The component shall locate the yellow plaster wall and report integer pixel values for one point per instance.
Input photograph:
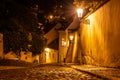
(49, 57)
(74, 55)
(26, 56)
(63, 49)
(101, 38)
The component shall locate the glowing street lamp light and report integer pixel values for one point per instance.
(71, 37)
(51, 16)
(79, 12)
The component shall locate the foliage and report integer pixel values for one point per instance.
(14, 41)
(18, 18)
(16, 22)
(38, 44)
(91, 5)
(61, 10)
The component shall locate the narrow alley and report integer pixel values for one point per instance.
(59, 39)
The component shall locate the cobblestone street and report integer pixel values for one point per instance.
(45, 73)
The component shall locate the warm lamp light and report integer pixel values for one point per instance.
(71, 37)
(79, 12)
(51, 16)
(63, 42)
(47, 49)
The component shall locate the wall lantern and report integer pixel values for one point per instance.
(71, 37)
(79, 12)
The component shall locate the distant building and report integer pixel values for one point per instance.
(26, 56)
(49, 56)
(11, 55)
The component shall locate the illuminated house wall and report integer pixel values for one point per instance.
(75, 53)
(72, 54)
(101, 38)
(52, 56)
(68, 47)
(63, 38)
(26, 56)
(49, 56)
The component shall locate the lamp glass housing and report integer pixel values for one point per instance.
(79, 12)
(71, 37)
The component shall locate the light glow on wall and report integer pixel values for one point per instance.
(47, 52)
(63, 42)
(93, 37)
(47, 55)
(71, 37)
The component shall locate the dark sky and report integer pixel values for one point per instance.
(12, 8)
(48, 5)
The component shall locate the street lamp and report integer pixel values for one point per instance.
(79, 12)
(71, 37)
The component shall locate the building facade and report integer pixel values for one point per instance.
(100, 38)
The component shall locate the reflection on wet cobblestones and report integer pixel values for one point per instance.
(57, 73)
(45, 73)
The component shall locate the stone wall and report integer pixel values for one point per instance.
(101, 38)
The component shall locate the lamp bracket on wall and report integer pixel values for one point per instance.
(87, 21)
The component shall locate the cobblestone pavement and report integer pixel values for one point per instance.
(45, 73)
(108, 73)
